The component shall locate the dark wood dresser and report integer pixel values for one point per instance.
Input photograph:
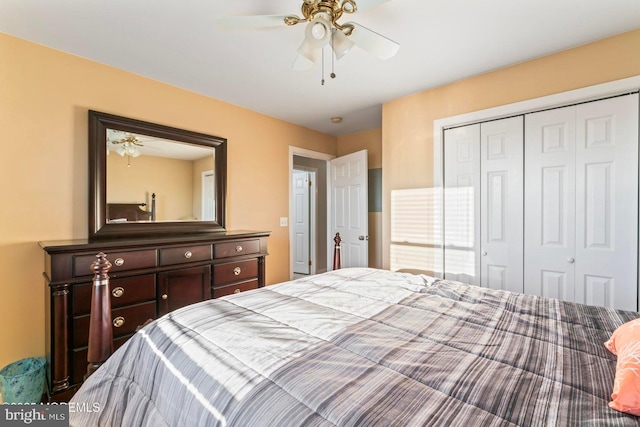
(149, 278)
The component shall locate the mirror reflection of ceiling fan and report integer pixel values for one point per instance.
(123, 143)
(134, 144)
(323, 29)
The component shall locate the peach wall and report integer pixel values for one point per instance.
(371, 140)
(44, 98)
(407, 123)
(128, 182)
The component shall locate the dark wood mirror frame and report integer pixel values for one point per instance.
(99, 228)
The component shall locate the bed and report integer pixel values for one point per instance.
(364, 347)
(125, 212)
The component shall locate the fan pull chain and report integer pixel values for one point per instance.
(333, 58)
(322, 54)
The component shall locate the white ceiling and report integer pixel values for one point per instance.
(441, 41)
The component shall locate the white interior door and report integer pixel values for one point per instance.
(208, 196)
(501, 201)
(550, 203)
(462, 204)
(607, 203)
(349, 208)
(301, 222)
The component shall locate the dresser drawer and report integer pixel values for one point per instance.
(185, 254)
(120, 261)
(124, 291)
(241, 247)
(128, 318)
(223, 274)
(236, 288)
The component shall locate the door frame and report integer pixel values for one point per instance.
(303, 152)
(585, 94)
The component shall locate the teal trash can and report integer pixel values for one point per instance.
(23, 381)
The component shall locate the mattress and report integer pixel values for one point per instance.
(363, 347)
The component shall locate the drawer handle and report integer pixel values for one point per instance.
(188, 254)
(238, 248)
(237, 271)
(119, 261)
(237, 291)
(117, 292)
(118, 321)
(165, 296)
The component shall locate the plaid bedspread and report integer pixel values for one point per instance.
(363, 347)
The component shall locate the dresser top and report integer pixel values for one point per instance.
(57, 246)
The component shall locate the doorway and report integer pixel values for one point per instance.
(301, 159)
(347, 214)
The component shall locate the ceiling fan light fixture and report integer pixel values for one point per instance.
(133, 152)
(318, 32)
(127, 149)
(341, 44)
(309, 51)
(324, 27)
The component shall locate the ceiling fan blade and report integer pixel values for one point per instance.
(369, 4)
(374, 43)
(255, 21)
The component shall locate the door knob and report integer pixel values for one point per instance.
(363, 237)
(570, 260)
(484, 253)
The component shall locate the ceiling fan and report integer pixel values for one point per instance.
(323, 29)
(127, 144)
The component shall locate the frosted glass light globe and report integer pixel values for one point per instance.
(318, 31)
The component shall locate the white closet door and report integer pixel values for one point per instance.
(501, 200)
(462, 204)
(549, 236)
(607, 203)
(581, 205)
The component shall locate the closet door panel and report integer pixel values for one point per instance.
(501, 200)
(549, 207)
(462, 204)
(606, 202)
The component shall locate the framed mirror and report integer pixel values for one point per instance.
(147, 179)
